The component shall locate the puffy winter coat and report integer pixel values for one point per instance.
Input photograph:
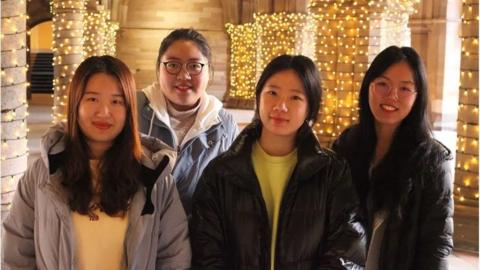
(39, 229)
(317, 226)
(416, 188)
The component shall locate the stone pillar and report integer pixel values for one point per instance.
(67, 47)
(466, 171)
(283, 33)
(350, 34)
(254, 45)
(341, 50)
(13, 102)
(435, 28)
(99, 32)
(242, 66)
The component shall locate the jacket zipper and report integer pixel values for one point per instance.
(288, 189)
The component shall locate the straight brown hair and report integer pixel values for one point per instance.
(120, 164)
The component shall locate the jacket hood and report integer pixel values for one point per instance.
(207, 115)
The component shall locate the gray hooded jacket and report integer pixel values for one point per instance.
(39, 230)
(211, 134)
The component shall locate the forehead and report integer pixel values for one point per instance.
(287, 80)
(401, 72)
(102, 83)
(183, 50)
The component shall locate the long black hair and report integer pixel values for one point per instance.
(387, 183)
(119, 166)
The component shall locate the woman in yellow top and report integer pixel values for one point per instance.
(276, 199)
(99, 197)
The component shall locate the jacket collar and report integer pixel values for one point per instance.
(311, 158)
(207, 115)
(156, 157)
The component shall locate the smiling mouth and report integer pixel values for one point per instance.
(278, 119)
(101, 125)
(183, 88)
(388, 108)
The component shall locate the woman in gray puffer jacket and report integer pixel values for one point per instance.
(100, 197)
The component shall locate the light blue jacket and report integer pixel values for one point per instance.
(194, 154)
(38, 232)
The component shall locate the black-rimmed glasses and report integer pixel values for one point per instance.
(174, 67)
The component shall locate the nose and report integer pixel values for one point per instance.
(103, 109)
(281, 106)
(183, 73)
(393, 93)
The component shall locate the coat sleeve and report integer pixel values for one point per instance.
(434, 241)
(18, 238)
(345, 238)
(231, 128)
(206, 230)
(174, 251)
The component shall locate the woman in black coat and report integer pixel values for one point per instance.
(276, 199)
(400, 172)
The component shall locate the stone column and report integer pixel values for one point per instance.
(350, 34)
(99, 32)
(254, 45)
(242, 66)
(435, 28)
(283, 33)
(341, 49)
(466, 172)
(67, 47)
(13, 102)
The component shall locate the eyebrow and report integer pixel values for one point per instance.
(178, 59)
(293, 89)
(90, 92)
(408, 81)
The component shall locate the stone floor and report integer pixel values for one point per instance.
(40, 119)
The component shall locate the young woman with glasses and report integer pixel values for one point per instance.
(100, 196)
(276, 199)
(400, 172)
(177, 109)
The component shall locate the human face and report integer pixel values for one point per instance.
(391, 96)
(283, 105)
(183, 90)
(102, 112)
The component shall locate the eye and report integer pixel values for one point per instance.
(406, 89)
(382, 86)
(298, 98)
(172, 65)
(91, 99)
(118, 101)
(194, 66)
(271, 92)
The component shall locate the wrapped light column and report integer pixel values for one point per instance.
(67, 49)
(388, 24)
(349, 35)
(466, 169)
(283, 33)
(99, 33)
(341, 49)
(242, 65)
(13, 103)
(253, 45)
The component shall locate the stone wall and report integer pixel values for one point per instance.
(144, 23)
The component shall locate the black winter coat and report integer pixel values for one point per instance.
(415, 187)
(317, 227)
